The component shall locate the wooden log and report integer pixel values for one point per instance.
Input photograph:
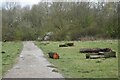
(63, 45)
(105, 50)
(70, 44)
(100, 55)
(95, 50)
(89, 50)
(96, 56)
(87, 56)
(93, 56)
(53, 55)
(110, 54)
(93, 53)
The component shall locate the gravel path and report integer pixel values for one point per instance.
(32, 64)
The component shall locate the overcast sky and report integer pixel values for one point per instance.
(22, 2)
(31, 2)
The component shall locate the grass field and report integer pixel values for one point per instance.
(73, 64)
(11, 51)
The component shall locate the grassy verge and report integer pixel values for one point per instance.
(10, 50)
(73, 64)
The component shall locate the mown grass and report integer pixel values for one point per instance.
(73, 64)
(11, 51)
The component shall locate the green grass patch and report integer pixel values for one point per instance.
(73, 64)
(10, 50)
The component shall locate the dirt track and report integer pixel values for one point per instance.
(32, 64)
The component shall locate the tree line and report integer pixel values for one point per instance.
(65, 20)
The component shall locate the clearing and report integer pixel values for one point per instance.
(73, 64)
